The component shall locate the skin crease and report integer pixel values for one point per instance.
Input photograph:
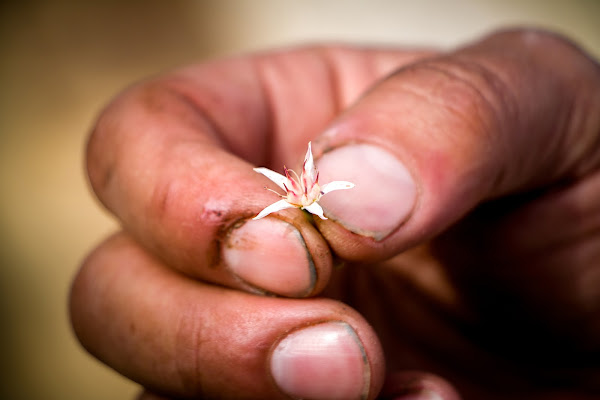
(497, 290)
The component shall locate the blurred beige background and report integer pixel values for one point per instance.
(61, 61)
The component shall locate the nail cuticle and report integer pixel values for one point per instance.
(311, 266)
(366, 366)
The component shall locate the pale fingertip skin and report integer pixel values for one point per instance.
(383, 196)
(273, 257)
(322, 361)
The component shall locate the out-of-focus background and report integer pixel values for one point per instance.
(61, 61)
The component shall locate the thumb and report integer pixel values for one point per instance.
(514, 112)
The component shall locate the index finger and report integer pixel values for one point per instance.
(172, 158)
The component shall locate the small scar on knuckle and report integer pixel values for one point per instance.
(214, 215)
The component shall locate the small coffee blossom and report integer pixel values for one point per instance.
(301, 191)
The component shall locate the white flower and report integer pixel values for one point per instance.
(301, 191)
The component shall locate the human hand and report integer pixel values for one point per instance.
(465, 165)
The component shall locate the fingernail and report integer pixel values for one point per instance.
(270, 255)
(384, 195)
(324, 361)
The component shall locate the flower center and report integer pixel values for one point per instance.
(300, 191)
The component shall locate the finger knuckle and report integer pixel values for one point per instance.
(472, 109)
(473, 94)
(188, 349)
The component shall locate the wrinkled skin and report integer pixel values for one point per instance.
(492, 282)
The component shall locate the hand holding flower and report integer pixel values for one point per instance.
(476, 260)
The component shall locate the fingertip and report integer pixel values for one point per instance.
(278, 255)
(384, 192)
(333, 359)
(384, 197)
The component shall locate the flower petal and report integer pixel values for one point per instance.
(336, 185)
(274, 176)
(277, 206)
(316, 209)
(309, 169)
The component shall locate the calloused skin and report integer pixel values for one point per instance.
(491, 286)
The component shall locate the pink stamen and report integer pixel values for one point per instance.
(278, 194)
(302, 191)
(290, 179)
(297, 178)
